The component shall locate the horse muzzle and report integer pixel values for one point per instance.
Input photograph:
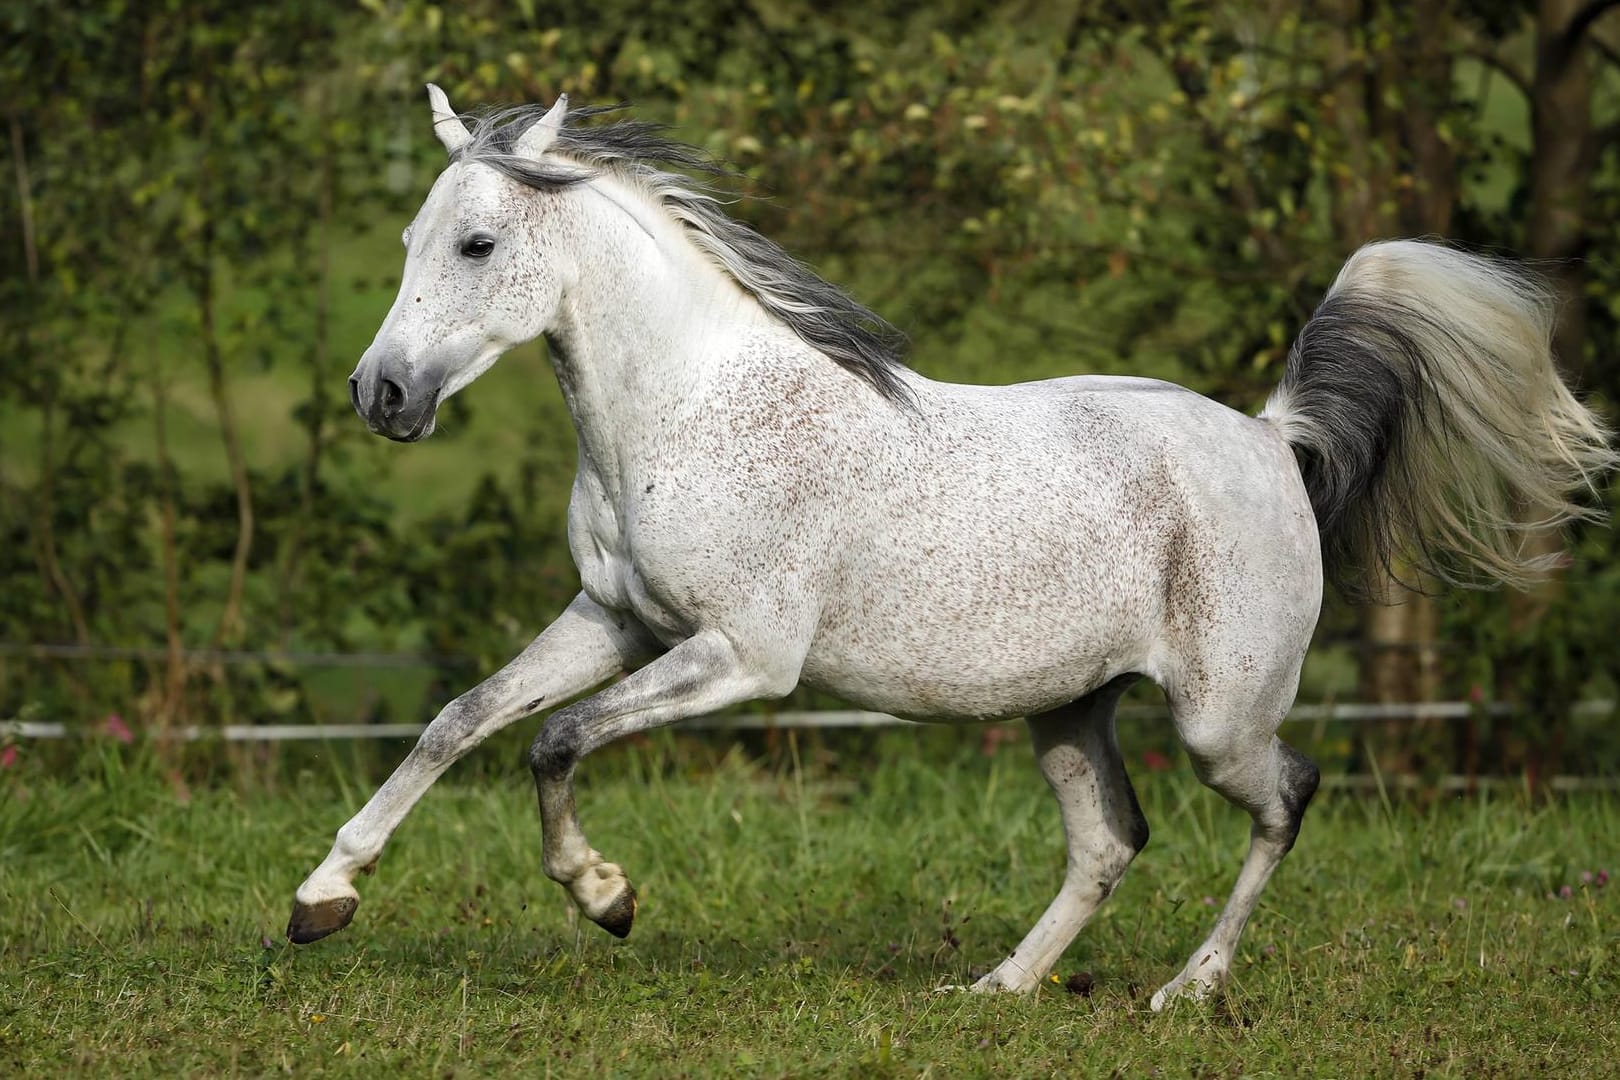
(392, 403)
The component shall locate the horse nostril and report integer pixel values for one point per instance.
(354, 394)
(393, 397)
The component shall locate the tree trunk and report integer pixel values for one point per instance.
(1562, 158)
(171, 704)
(1400, 177)
(230, 619)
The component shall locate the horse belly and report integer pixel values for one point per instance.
(1013, 637)
(969, 677)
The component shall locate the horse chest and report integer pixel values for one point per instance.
(597, 542)
(622, 575)
(612, 578)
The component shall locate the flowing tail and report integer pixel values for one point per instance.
(1430, 423)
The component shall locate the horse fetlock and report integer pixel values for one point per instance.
(567, 862)
(1202, 976)
(1008, 978)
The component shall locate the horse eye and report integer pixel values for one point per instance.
(478, 247)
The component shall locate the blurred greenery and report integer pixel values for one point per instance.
(201, 219)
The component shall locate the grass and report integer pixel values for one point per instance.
(792, 923)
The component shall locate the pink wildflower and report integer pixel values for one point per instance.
(993, 738)
(8, 757)
(114, 725)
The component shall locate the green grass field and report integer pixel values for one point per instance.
(791, 924)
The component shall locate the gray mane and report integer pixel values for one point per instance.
(822, 314)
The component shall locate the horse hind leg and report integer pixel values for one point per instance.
(1102, 823)
(1235, 751)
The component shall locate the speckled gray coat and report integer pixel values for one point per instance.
(766, 497)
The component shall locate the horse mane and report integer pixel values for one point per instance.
(822, 314)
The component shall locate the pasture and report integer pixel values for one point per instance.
(206, 203)
(794, 921)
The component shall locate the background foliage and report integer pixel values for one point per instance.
(201, 221)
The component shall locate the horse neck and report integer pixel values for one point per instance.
(645, 325)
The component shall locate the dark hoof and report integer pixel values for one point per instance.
(312, 922)
(616, 920)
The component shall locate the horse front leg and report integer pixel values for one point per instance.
(583, 647)
(701, 675)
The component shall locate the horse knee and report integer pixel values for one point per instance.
(555, 748)
(447, 737)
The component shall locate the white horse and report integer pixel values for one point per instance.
(767, 496)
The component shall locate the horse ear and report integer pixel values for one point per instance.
(446, 124)
(543, 132)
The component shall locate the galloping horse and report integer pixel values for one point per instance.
(766, 496)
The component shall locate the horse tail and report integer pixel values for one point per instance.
(1429, 421)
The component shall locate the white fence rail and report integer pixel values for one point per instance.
(825, 718)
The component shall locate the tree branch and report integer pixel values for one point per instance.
(1605, 50)
(1582, 22)
(25, 204)
(1501, 65)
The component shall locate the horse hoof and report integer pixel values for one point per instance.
(311, 922)
(620, 913)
